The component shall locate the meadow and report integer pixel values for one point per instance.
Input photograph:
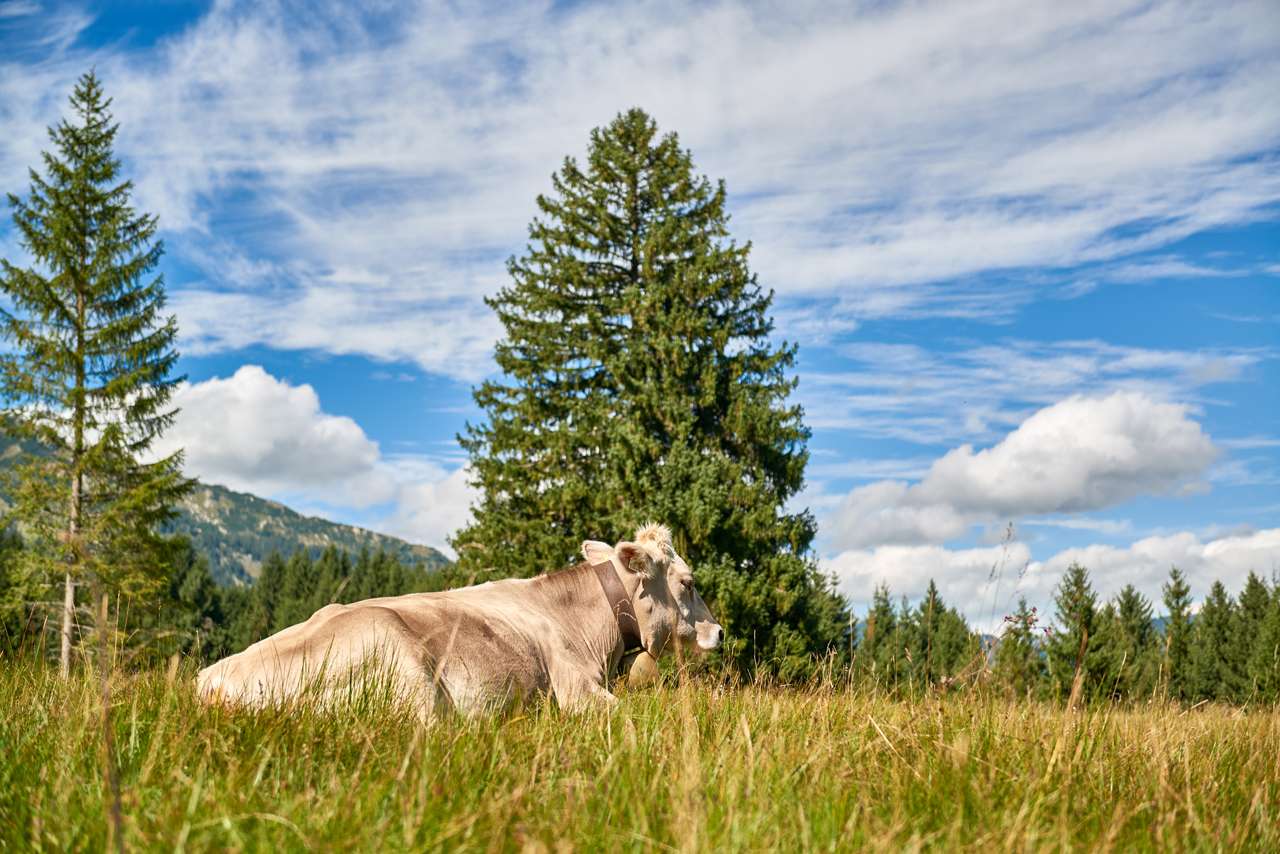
(691, 766)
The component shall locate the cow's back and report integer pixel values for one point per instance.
(472, 650)
(336, 643)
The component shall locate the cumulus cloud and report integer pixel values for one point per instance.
(395, 155)
(985, 583)
(1079, 454)
(256, 433)
(966, 578)
(1146, 562)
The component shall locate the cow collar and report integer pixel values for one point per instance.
(620, 605)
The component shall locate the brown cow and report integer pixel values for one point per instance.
(490, 646)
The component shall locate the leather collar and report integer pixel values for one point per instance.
(620, 605)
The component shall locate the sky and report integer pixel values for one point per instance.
(1030, 251)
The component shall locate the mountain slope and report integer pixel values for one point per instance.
(237, 531)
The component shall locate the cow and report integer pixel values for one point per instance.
(488, 647)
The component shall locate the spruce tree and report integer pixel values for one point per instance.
(939, 639)
(1019, 666)
(87, 372)
(1139, 661)
(1251, 617)
(640, 383)
(1214, 669)
(880, 653)
(1264, 662)
(1076, 616)
(1175, 665)
(928, 661)
(1105, 662)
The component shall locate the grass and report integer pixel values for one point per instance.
(686, 767)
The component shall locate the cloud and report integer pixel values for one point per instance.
(1077, 455)
(985, 583)
(967, 578)
(432, 507)
(886, 161)
(976, 392)
(18, 8)
(1146, 562)
(256, 433)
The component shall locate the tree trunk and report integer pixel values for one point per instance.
(73, 514)
(69, 591)
(68, 615)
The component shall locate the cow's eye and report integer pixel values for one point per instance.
(686, 583)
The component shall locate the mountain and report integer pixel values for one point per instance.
(237, 531)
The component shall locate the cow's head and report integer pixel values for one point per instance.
(665, 601)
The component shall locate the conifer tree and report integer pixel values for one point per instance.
(87, 373)
(1251, 617)
(1176, 660)
(879, 653)
(1019, 666)
(640, 383)
(927, 659)
(1137, 644)
(1068, 651)
(940, 640)
(1106, 661)
(1214, 669)
(1264, 662)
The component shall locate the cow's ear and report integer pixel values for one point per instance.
(635, 559)
(596, 552)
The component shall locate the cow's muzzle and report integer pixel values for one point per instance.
(709, 635)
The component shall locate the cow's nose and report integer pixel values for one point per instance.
(709, 638)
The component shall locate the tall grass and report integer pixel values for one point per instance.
(686, 767)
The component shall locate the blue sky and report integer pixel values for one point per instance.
(1030, 251)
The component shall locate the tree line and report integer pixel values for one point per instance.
(192, 615)
(1227, 650)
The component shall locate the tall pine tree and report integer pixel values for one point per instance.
(1247, 634)
(640, 383)
(1264, 662)
(1081, 648)
(1175, 666)
(1019, 666)
(1215, 673)
(88, 369)
(1138, 664)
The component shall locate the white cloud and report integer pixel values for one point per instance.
(891, 159)
(977, 392)
(1079, 454)
(985, 583)
(432, 507)
(978, 581)
(18, 8)
(256, 433)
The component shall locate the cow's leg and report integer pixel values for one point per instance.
(576, 690)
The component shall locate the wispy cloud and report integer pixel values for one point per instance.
(367, 174)
(18, 8)
(960, 391)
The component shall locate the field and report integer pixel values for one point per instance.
(684, 767)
